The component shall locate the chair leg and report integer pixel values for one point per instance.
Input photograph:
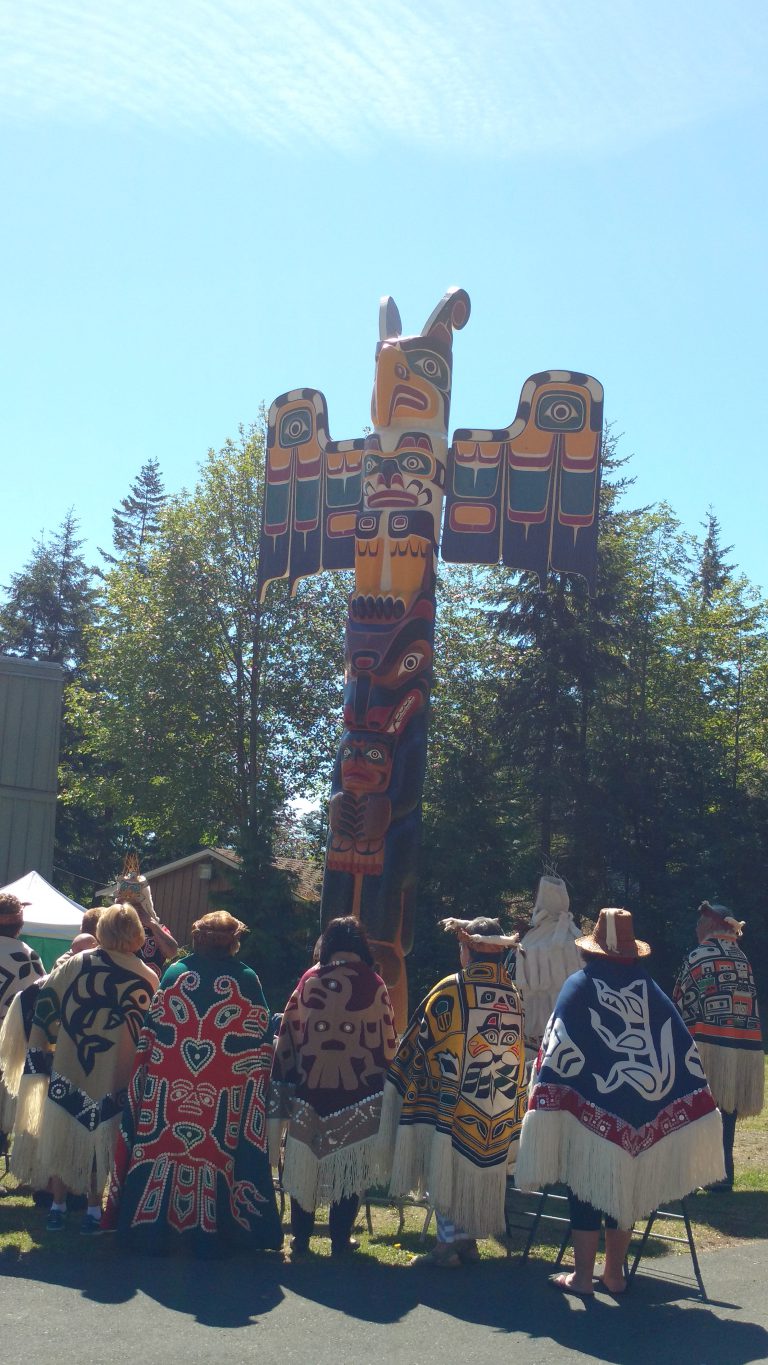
(692, 1249)
(533, 1229)
(641, 1248)
(563, 1247)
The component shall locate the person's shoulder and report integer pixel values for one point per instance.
(451, 979)
(25, 947)
(315, 970)
(16, 950)
(147, 973)
(66, 967)
(176, 969)
(574, 984)
(241, 972)
(700, 952)
(446, 983)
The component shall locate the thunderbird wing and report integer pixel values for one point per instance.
(528, 494)
(313, 492)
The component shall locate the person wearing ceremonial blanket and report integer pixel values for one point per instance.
(86, 1025)
(14, 1041)
(547, 956)
(454, 1095)
(191, 1164)
(132, 888)
(716, 995)
(619, 1107)
(336, 1040)
(19, 964)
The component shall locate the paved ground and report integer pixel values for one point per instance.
(115, 1308)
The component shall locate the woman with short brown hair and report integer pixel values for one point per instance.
(191, 1163)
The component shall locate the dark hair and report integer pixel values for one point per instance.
(11, 915)
(486, 928)
(345, 935)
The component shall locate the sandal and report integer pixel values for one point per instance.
(561, 1282)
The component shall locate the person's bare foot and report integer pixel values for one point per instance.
(567, 1283)
(612, 1286)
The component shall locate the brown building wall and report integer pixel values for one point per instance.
(182, 896)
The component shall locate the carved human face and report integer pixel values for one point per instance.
(366, 762)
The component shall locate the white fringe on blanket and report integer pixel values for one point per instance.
(391, 1109)
(33, 1092)
(424, 1161)
(13, 1048)
(7, 1109)
(48, 1141)
(555, 1147)
(325, 1180)
(736, 1077)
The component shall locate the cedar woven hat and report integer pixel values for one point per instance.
(614, 936)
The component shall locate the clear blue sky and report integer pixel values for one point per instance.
(203, 202)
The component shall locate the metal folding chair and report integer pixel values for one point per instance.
(688, 1240)
(377, 1201)
(534, 1216)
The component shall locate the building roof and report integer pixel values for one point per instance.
(226, 856)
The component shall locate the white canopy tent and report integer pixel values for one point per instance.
(51, 920)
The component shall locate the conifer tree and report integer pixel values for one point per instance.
(50, 602)
(714, 573)
(136, 520)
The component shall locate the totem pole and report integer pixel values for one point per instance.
(526, 494)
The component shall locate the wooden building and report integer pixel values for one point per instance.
(30, 721)
(184, 890)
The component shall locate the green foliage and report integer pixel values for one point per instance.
(50, 602)
(137, 519)
(623, 738)
(205, 699)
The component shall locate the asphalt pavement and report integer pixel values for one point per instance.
(113, 1308)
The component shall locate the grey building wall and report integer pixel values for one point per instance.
(30, 723)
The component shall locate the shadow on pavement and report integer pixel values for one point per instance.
(662, 1320)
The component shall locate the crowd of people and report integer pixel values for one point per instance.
(160, 1089)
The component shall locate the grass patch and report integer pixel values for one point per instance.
(719, 1219)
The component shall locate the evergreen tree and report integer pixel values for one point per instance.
(136, 521)
(213, 710)
(713, 571)
(50, 603)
